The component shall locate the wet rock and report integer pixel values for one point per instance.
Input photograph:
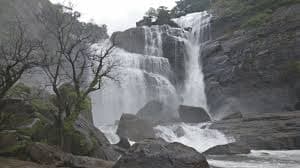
(48, 155)
(264, 131)
(250, 64)
(124, 143)
(190, 114)
(130, 126)
(179, 132)
(156, 112)
(93, 142)
(160, 154)
(229, 149)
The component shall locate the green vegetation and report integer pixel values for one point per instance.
(259, 19)
(160, 16)
(254, 13)
(184, 7)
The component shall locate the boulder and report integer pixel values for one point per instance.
(264, 131)
(156, 112)
(160, 154)
(190, 114)
(89, 141)
(229, 149)
(123, 143)
(48, 155)
(130, 126)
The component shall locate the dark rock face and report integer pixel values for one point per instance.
(95, 139)
(130, 126)
(48, 155)
(245, 68)
(229, 149)
(124, 143)
(159, 154)
(264, 131)
(135, 39)
(156, 112)
(190, 114)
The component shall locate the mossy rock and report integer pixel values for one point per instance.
(77, 143)
(13, 144)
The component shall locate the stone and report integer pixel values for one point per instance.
(130, 126)
(250, 64)
(160, 154)
(229, 149)
(264, 131)
(190, 114)
(48, 155)
(123, 143)
(156, 112)
(94, 139)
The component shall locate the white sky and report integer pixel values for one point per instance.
(118, 15)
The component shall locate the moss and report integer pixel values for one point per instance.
(258, 20)
(20, 90)
(76, 142)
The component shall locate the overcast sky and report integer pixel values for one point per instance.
(118, 15)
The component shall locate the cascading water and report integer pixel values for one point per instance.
(142, 78)
(194, 90)
(197, 136)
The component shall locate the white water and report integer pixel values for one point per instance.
(142, 78)
(194, 91)
(197, 136)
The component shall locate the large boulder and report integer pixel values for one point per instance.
(160, 154)
(48, 155)
(190, 114)
(90, 141)
(156, 112)
(229, 149)
(264, 131)
(130, 126)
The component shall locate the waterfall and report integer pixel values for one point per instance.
(146, 75)
(142, 78)
(194, 87)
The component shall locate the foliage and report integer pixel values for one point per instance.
(160, 16)
(184, 7)
(20, 90)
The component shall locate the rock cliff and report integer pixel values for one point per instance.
(248, 61)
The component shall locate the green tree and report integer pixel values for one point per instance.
(71, 60)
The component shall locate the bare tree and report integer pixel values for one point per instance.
(18, 53)
(74, 58)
